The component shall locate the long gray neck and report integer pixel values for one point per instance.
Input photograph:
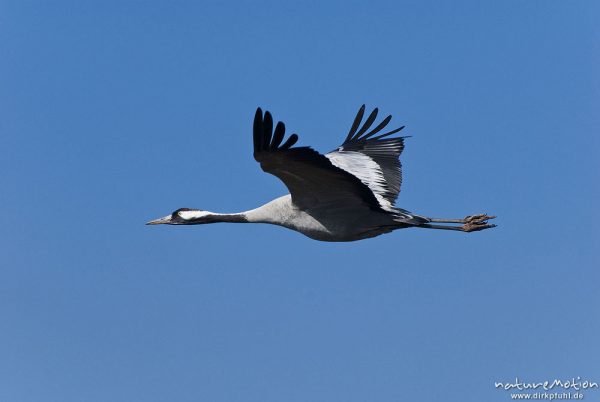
(273, 212)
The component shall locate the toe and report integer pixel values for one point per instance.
(481, 218)
(476, 226)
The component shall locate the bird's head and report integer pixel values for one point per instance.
(183, 216)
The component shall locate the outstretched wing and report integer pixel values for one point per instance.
(374, 159)
(312, 179)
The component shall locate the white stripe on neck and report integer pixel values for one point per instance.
(189, 215)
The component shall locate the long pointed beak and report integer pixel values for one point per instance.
(160, 221)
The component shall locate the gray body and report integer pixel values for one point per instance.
(323, 223)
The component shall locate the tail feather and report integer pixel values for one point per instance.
(404, 216)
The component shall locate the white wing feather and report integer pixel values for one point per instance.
(365, 169)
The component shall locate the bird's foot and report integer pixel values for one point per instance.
(474, 223)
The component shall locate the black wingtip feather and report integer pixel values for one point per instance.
(265, 139)
(278, 136)
(257, 130)
(290, 141)
(356, 122)
(367, 124)
(377, 129)
(267, 129)
(388, 133)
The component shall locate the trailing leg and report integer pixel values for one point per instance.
(471, 223)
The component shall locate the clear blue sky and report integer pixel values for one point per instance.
(113, 113)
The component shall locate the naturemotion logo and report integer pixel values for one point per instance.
(575, 384)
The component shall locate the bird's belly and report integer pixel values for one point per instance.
(336, 229)
(347, 236)
(309, 226)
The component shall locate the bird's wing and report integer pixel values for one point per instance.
(312, 179)
(374, 159)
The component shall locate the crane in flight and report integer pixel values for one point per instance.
(345, 195)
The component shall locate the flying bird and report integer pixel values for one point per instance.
(345, 195)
